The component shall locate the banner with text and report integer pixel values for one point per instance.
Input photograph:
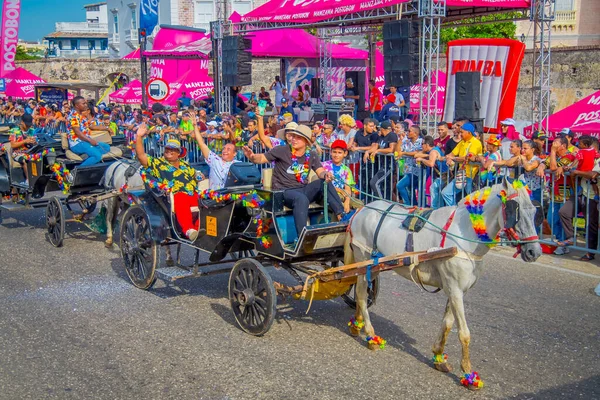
(9, 35)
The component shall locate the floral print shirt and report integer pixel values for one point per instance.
(182, 179)
(408, 146)
(17, 136)
(75, 120)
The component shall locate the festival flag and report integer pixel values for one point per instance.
(9, 35)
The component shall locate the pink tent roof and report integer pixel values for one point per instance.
(134, 55)
(582, 117)
(128, 94)
(20, 83)
(297, 43)
(307, 12)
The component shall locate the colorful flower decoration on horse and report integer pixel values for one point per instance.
(474, 204)
(356, 324)
(37, 156)
(60, 174)
(472, 379)
(517, 185)
(123, 189)
(439, 358)
(376, 341)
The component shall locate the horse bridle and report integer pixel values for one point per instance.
(509, 223)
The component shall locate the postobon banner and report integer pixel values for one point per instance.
(499, 61)
(9, 35)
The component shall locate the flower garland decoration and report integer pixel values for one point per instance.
(165, 185)
(439, 358)
(131, 146)
(301, 171)
(516, 185)
(60, 174)
(250, 199)
(123, 189)
(376, 341)
(37, 156)
(262, 227)
(353, 323)
(472, 379)
(474, 204)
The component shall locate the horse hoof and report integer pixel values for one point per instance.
(443, 367)
(472, 381)
(108, 244)
(354, 331)
(373, 346)
(473, 388)
(376, 342)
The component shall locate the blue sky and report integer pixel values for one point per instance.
(38, 16)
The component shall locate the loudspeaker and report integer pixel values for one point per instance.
(237, 61)
(315, 88)
(467, 102)
(401, 52)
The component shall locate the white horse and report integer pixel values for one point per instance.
(123, 176)
(454, 275)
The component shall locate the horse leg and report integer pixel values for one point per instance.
(357, 323)
(111, 205)
(439, 357)
(374, 342)
(470, 378)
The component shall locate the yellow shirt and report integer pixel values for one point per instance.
(471, 146)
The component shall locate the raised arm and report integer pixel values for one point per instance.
(254, 158)
(140, 153)
(261, 132)
(198, 136)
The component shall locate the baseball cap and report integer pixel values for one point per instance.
(508, 122)
(173, 144)
(284, 100)
(395, 118)
(468, 127)
(539, 135)
(385, 125)
(391, 98)
(339, 144)
(566, 132)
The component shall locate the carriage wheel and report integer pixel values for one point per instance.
(140, 253)
(55, 222)
(350, 296)
(252, 296)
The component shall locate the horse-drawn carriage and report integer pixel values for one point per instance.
(248, 225)
(51, 169)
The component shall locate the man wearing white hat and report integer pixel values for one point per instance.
(291, 170)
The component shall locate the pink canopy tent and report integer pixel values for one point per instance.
(297, 43)
(20, 83)
(309, 11)
(134, 55)
(178, 43)
(582, 118)
(128, 94)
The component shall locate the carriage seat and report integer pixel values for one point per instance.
(267, 176)
(11, 160)
(100, 136)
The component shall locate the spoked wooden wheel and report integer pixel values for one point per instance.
(252, 296)
(140, 253)
(55, 222)
(350, 296)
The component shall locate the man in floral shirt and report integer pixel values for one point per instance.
(21, 140)
(80, 141)
(171, 174)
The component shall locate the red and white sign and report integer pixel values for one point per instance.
(157, 89)
(499, 61)
(9, 35)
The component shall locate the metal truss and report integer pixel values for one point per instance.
(325, 65)
(542, 15)
(222, 94)
(431, 13)
(453, 21)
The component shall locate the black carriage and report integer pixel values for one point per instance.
(43, 189)
(238, 232)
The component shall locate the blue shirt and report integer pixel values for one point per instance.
(388, 111)
(288, 109)
(185, 101)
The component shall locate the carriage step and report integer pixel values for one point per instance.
(172, 274)
(14, 207)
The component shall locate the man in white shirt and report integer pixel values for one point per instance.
(219, 165)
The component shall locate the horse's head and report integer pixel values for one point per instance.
(520, 217)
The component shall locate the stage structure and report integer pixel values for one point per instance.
(432, 14)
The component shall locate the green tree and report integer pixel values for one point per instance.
(482, 30)
(23, 53)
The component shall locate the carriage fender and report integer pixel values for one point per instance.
(4, 180)
(159, 223)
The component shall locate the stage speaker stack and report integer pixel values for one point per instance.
(401, 53)
(467, 102)
(237, 61)
(315, 88)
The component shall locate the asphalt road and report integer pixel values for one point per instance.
(73, 327)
